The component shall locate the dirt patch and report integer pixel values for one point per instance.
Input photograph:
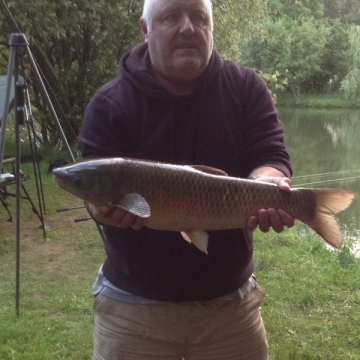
(59, 228)
(63, 256)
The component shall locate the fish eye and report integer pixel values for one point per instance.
(77, 181)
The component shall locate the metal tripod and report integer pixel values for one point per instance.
(17, 41)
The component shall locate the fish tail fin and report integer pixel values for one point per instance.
(329, 202)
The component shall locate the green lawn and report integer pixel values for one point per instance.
(311, 310)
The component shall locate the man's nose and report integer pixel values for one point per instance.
(186, 24)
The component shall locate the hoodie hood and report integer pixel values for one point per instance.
(135, 66)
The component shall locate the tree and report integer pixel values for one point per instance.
(351, 84)
(296, 9)
(78, 43)
(234, 21)
(335, 60)
(289, 49)
(303, 45)
(347, 11)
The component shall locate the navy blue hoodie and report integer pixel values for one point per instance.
(228, 122)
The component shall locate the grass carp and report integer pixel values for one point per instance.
(194, 199)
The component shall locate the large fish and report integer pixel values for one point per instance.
(194, 199)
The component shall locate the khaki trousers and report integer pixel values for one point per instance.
(211, 330)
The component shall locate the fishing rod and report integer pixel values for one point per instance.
(9, 15)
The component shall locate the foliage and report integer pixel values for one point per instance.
(235, 20)
(289, 48)
(347, 11)
(335, 60)
(351, 84)
(274, 83)
(296, 9)
(306, 65)
(77, 46)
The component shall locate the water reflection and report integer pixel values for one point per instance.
(324, 147)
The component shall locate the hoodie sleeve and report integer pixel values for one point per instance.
(262, 130)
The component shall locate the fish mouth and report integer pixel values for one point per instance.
(59, 175)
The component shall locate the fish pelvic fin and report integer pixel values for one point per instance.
(135, 204)
(329, 202)
(198, 237)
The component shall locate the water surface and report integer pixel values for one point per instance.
(324, 147)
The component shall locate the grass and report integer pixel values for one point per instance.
(317, 101)
(57, 273)
(311, 310)
(313, 295)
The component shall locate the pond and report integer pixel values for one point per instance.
(324, 147)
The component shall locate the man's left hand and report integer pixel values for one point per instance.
(267, 218)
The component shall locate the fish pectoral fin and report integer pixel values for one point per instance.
(198, 237)
(134, 204)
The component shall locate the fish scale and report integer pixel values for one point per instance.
(193, 199)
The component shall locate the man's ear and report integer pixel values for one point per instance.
(144, 29)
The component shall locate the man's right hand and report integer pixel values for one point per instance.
(115, 216)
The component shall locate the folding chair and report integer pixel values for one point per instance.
(7, 180)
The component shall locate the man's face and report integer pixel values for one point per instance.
(180, 39)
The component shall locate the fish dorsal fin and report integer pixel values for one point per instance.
(209, 170)
(135, 204)
(199, 238)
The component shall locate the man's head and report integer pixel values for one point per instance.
(149, 4)
(179, 36)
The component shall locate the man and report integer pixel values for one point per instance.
(177, 101)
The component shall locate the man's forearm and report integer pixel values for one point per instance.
(266, 171)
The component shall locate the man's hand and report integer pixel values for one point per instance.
(115, 216)
(267, 218)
